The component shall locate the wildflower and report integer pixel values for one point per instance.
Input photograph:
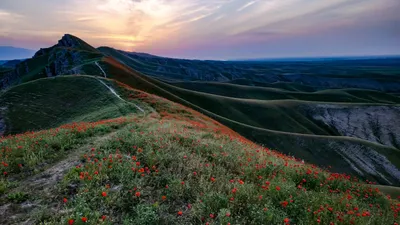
(84, 219)
(103, 217)
(71, 221)
(212, 179)
(212, 216)
(104, 194)
(234, 190)
(137, 194)
(180, 213)
(286, 220)
(228, 214)
(164, 197)
(284, 204)
(195, 173)
(278, 188)
(65, 200)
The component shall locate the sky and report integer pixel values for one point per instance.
(209, 29)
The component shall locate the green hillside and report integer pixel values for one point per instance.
(170, 165)
(279, 93)
(51, 102)
(351, 130)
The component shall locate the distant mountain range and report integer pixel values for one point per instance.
(9, 53)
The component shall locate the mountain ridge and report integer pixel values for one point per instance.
(11, 53)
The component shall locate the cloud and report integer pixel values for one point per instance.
(8, 16)
(86, 19)
(246, 5)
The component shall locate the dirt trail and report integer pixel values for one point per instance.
(119, 97)
(41, 187)
(104, 73)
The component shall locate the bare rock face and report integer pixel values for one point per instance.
(373, 123)
(62, 60)
(69, 41)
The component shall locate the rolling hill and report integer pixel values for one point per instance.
(324, 125)
(88, 139)
(48, 103)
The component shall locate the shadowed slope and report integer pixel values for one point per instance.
(51, 102)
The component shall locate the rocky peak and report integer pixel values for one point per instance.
(69, 41)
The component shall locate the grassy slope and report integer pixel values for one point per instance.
(264, 93)
(51, 102)
(377, 74)
(171, 166)
(304, 146)
(289, 86)
(281, 115)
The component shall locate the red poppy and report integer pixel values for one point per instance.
(104, 194)
(278, 188)
(103, 217)
(180, 213)
(71, 221)
(84, 219)
(137, 194)
(286, 220)
(65, 200)
(234, 190)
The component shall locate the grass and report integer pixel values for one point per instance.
(177, 166)
(51, 102)
(267, 93)
(282, 119)
(277, 114)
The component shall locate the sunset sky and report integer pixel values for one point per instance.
(212, 29)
